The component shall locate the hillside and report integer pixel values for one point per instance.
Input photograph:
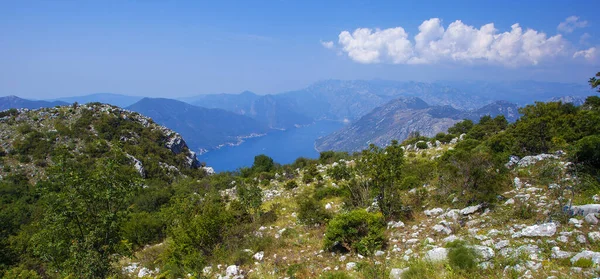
(402, 117)
(204, 128)
(488, 200)
(15, 102)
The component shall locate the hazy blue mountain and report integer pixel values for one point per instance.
(203, 128)
(402, 116)
(521, 92)
(9, 102)
(577, 101)
(508, 109)
(106, 98)
(272, 110)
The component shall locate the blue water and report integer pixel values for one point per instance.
(283, 146)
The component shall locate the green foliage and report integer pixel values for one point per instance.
(487, 127)
(340, 172)
(584, 263)
(594, 82)
(588, 151)
(292, 184)
(328, 157)
(421, 145)
(462, 257)
(462, 127)
(311, 211)
(250, 196)
(335, 275)
(419, 270)
(262, 163)
(142, 228)
(472, 174)
(9, 112)
(84, 207)
(357, 230)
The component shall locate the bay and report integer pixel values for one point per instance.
(283, 146)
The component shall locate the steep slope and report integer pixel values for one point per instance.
(106, 98)
(399, 117)
(31, 140)
(204, 128)
(394, 120)
(9, 102)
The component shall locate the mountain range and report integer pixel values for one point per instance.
(9, 102)
(400, 117)
(213, 120)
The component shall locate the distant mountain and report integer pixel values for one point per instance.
(9, 102)
(399, 117)
(271, 110)
(577, 101)
(118, 100)
(508, 109)
(203, 128)
(520, 92)
(348, 100)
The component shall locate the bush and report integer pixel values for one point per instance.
(421, 145)
(290, 185)
(143, 228)
(419, 270)
(357, 230)
(311, 211)
(462, 257)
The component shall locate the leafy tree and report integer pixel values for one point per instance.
(311, 211)
(250, 196)
(594, 82)
(84, 206)
(262, 163)
(462, 127)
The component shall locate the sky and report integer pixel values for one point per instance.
(154, 48)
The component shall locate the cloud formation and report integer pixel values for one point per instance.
(458, 42)
(570, 24)
(588, 54)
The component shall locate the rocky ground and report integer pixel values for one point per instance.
(537, 230)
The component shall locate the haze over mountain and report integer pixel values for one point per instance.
(9, 102)
(203, 128)
(397, 119)
(119, 100)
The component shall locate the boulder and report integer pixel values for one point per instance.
(512, 161)
(232, 270)
(485, 252)
(584, 210)
(437, 254)
(501, 244)
(594, 256)
(470, 209)
(259, 256)
(591, 219)
(547, 229)
(594, 236)
(558, 254)
(441, 229)
(531, 160)
(433, 212)
(351, 266)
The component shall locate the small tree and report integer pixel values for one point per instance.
(358, 231)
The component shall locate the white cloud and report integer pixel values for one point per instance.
(327, 44)
(584, 38)
(458, 42)
(589, 54)
(570, 24)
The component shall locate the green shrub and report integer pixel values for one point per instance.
(357, 230)
(143, 228)
(461, 257)
(328, 192)
(419, 270)
(421, 145)
(584, 263)
(335, 275)
(311, 211)
(290, 185)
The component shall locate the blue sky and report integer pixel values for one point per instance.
(180, 48)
